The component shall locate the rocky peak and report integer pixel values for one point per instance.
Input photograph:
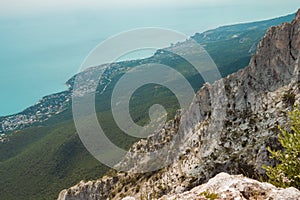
(297, 17)
(226, 129)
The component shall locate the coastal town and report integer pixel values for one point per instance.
(56, 103)
(41, 111)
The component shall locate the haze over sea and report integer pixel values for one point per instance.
(40, 51)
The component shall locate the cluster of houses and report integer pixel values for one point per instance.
(3, 138)
(41, 111)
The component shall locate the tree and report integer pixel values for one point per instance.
(287, 172)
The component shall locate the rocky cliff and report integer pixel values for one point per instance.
(227, 128)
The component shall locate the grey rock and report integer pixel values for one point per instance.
(228, 187)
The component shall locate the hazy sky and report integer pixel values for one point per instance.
(17, 7)
(29, 5)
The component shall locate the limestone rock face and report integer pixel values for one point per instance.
(227, 187)
(89, 190)
(226, 129)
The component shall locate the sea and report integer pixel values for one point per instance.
(40, 52)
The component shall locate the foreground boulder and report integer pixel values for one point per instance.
(227, 187)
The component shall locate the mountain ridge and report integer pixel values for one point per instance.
(237, 121)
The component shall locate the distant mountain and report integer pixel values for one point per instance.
(238, 30)
(43, 154)
(231, 47)
(227, 128)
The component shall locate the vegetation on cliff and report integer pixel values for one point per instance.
(286, 173)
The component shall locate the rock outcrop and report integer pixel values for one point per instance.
(227, 129)
(227, 187)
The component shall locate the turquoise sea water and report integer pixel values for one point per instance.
(38, 53)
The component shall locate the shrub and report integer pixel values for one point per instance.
(209, 195)
(289, 98)
(287, 172)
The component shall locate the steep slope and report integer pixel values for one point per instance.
(227, 128)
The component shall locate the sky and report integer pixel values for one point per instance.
(25, 6)
(43, 43)
(21, 7)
